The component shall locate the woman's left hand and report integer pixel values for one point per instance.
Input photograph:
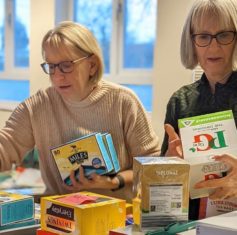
(94, 182)
(226, 187)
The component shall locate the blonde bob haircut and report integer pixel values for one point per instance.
(224, 12)
(73, 39)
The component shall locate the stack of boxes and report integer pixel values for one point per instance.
(81, 213)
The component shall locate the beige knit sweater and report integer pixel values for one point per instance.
(45, 120)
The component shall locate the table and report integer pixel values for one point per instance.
(29, 230)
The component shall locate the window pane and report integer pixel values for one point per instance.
(97, 16)
(14, 90)
(139, 33)
(2, 36)
(144, 93)
(21, 33)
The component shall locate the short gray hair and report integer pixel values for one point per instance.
(77, 40)
(225, 11)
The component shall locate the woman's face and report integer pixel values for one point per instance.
(215, 59)
(74, 86)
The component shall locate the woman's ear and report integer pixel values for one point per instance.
(94, 64)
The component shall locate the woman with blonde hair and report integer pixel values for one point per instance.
(78, 103)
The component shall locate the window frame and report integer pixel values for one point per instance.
(117, 73)
(10, 71)
(63, 10)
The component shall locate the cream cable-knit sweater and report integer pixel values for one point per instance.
(45, 120)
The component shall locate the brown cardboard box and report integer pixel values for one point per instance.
(161, 191)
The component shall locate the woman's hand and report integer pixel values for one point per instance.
(226, 187)
(94, 182)
(175, 146)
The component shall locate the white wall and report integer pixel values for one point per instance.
(42, 19)
(4, 115)
(169, 74)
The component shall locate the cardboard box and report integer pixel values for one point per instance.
(43, 232)
(64, 215)
(218, 225)
(161, 191)
(15, 208)
(24, 223)
(88, 151)
(203, 137)
(108, 141)
(217, 207)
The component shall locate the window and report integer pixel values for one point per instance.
(2, 35)
(126, 30)
(14, 49)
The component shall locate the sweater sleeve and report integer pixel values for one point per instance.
(16, 138)
(140, 138)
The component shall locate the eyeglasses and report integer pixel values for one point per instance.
(64, 67)
(223, 38)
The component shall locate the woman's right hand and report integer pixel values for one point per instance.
(174, 142)
(226, 187)
(94, 182)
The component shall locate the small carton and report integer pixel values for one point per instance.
(108, 141)
(217, 207)
(82, 213)
(24, 223)
(161, 191)
(15, 208)
(88, 151)
(202, 138)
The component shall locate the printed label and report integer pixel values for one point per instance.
(166, 199)
(60, 218)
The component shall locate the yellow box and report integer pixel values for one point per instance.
(95, 218)
(161, 191)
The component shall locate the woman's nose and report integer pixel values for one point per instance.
(214, 43)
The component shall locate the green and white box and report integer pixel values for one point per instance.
(202, 138)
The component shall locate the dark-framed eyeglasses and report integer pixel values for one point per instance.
(205, 39)
(64, 66)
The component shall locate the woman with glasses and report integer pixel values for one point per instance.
(209, 40)
(78, 103)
